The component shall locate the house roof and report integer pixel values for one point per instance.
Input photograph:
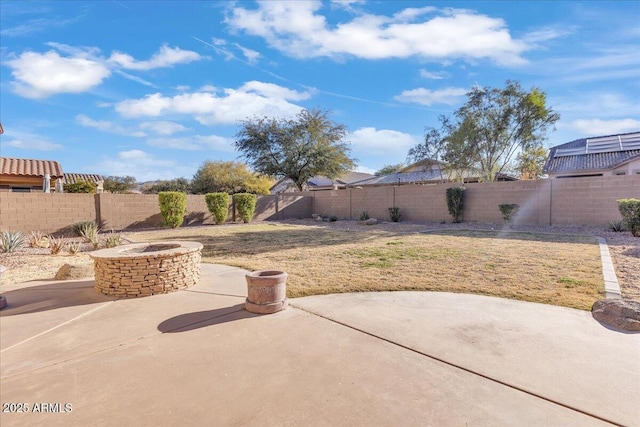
(72, 178)
(403, 178)
(596, 153)
(30, 167)
(323, 181)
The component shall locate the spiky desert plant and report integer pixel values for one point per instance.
(34, 240)
(56, 244)
(112, 240)
(11, 241)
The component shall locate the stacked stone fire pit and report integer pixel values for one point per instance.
(144, 269)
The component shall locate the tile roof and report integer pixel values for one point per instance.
(72, 178)
(30, 167)
(590, 161)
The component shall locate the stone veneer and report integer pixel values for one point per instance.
(143, 269)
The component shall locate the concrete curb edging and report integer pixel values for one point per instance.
(611, 286)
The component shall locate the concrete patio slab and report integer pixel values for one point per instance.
(195, 357)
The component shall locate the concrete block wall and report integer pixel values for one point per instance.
(47, 212)
(56, 213)
(587, 201)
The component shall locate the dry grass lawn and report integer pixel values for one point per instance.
(554, 269)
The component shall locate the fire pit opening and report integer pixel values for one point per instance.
(144, 269)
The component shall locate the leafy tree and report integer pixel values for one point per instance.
(530, 162)
(298, 149)
(179, 184)
(228, 177)
(489, 129)
(119, 184)
(80, 187)
(389, 169)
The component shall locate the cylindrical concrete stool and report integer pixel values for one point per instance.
(267, 292)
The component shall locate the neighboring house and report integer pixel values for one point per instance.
(317, 183)
(27, 175)
(72, 178)
(427, 172)
(599, 156)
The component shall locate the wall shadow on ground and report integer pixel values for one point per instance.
(266, 241)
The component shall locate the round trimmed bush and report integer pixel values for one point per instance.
(246, 205)
(218, 205)
(173, 207)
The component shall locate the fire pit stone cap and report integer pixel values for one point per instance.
(148, 250)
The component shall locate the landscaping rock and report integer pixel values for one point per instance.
(371, 221)
(75, 271)
(619, 313)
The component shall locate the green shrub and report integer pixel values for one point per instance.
(80, 228)
(173, 207)
(333, 218)
(80, 187)
(455, 198)
(509, 212)
(364, 215)
(246, 205)
(10, 242)
(630, 211)
(218, 205)
(394, 214)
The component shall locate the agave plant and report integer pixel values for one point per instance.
(10, 242)
(56, 244)
(91, 235)
(35, 239)
(112, 240)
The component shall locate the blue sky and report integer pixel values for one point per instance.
(152, 89)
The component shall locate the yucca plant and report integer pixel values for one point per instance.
(56, 244)
(73, 247)
(10, 242)
(35, 239)
(616, 226)
(112, 240)
(91, 235)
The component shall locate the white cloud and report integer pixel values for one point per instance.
(251, 55)
(142, 165)
(596, 127)
(194, 143)
(297, 29)
(39, 75)
(369, 140)
(433, 75)
(162, 127)
(219, 107)
(34, 144)
(165, 57)
(70, 69)
(107, 126)
(594, 104)
(447, 96)
(364, 169)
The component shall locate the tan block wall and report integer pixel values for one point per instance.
(560, 201)
(56, 213)
(47, 212)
